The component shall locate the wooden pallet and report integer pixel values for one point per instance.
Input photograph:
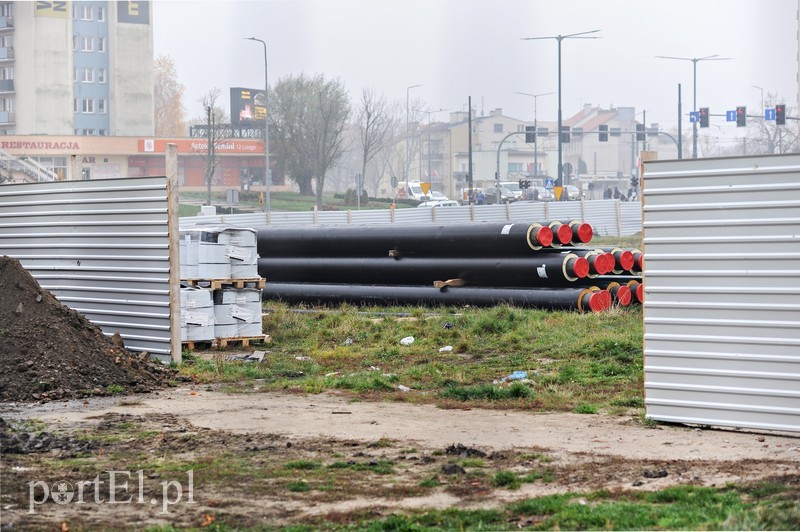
(216, 284)
(225, 342)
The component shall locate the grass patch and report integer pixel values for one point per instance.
(507, 479)
(571, 359)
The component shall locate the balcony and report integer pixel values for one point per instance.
(6, 53)
(7, 117)
(6, 85)
(6, 22)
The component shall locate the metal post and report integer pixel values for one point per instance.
(267, 169)
(408, 152)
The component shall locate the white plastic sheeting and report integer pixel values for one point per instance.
(722, 291)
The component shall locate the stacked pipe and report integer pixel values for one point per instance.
(524, 264)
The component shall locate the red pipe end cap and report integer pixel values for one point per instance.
(564, 234)
(544, 236)
(585, 233)
(604, 263)
(580, 267)
(626, 260)
(600, 301)
(624, 296)
(640, 293)
(640, 262)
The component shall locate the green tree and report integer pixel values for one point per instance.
(308, 119)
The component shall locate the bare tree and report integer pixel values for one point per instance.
(170, 114)
(374, 126)
(766, 137)
(217, 129)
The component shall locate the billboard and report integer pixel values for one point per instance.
(248, 107)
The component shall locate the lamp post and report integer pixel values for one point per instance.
(267, 170)
(559, 38)
(694, 61)
(430, 175)
(535, 129)
(408, 155)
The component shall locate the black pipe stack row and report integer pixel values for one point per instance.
(542, 265)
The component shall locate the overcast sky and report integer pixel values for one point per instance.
(461, 48)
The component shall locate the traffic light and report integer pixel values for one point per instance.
(704, 117)
(530, 134)
(634, 181)
(741, 116)
(603, 132)
(780, 114)
(565, 134)
(639, 132)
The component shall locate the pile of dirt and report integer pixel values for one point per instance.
(49, 351)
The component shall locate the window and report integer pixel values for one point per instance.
(75, 109)
(86, 12)
(75, 75)
(88, 75)
(498, 128)
(101, 44)
(88, 105)
(75, 43)
(76, 131)
(101, 13)
(6, 10)
(514, 168)
(87, 44)
(101, 106)
(103, 132)
(7, 104)
(74, 11)
(7, 73)
(89, 132)
(101, 75)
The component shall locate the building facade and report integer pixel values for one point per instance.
(82, 68)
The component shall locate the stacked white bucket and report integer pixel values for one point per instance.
(197, 315)
(221, 252)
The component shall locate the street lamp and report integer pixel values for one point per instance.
(267, 170)
(694, 61)
(559, 38)
(535, 129)
(430, 175)
(408, 89)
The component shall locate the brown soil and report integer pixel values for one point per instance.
(353, 459)
(49, 351)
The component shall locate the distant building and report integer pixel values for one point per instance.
(76, 68)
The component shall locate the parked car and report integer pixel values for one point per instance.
(513, 186)
(439, 203)
(506, 196)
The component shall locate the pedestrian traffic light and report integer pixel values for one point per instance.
(530, 134)
(603, 132)
(565, 134)
(780, 114)
(704, 117)
(741, 116)
(639, 132)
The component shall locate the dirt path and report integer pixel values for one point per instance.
(338, 416)
(269, 430)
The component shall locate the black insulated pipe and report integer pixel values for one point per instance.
(583, 300)
(543, 269)
(485, 239)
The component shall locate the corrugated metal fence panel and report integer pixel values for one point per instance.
(602, 215)
(722, 317)
(101, 247)
(607, 217)
(630, 217)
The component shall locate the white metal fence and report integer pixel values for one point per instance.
(607, 217)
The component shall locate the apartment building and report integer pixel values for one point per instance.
(82, 68)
